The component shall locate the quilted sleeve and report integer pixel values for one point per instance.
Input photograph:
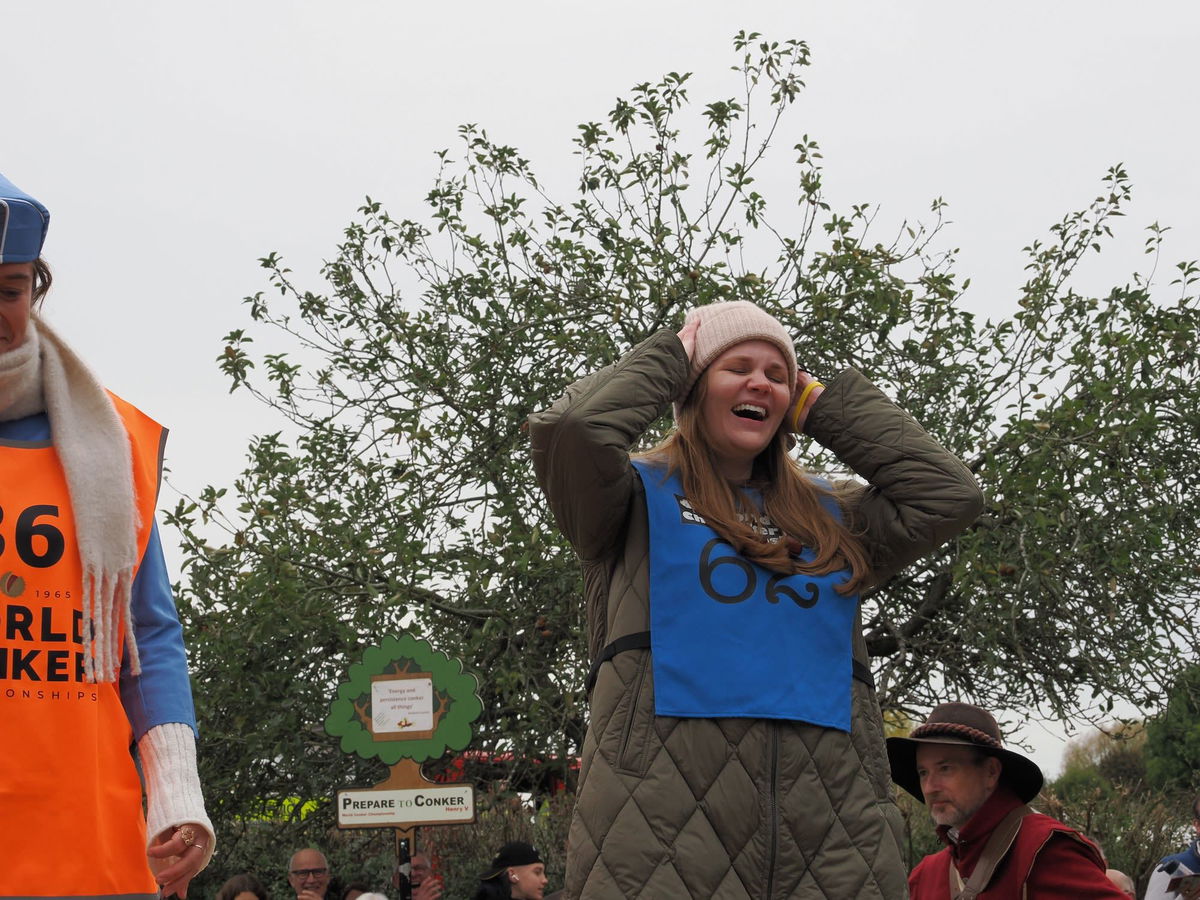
(581, 442)
(918, 494)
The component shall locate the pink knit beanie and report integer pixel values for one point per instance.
(722, 325)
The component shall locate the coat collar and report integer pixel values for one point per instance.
(966, 847)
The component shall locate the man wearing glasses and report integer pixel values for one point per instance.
(308, 874)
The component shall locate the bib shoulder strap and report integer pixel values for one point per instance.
(639, 640)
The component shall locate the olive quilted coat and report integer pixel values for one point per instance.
(729, 809)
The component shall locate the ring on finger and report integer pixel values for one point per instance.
(187, 834)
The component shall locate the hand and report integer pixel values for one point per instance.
(429, 889)
(687, 336)
(796, 418)
(188, 859)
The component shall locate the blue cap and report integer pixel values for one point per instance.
(23, 224)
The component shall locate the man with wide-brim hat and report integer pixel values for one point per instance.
(978, 794)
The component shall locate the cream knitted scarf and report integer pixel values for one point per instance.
(93, 447)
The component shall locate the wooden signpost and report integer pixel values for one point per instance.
(404, 704)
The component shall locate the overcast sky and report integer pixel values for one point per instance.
(176, 144)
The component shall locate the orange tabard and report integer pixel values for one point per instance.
(71, 822)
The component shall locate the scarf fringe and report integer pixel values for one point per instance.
(108, 597)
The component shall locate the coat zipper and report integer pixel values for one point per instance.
(773, 808)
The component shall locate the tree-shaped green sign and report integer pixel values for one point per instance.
(405, 700)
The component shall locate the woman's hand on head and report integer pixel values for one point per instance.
(808, 389)
(687, 336)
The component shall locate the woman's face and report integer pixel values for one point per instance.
(527, 882)
(746, 395)
(16, 300)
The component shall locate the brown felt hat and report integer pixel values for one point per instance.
(964, 724)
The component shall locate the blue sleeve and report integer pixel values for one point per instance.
(162, 693)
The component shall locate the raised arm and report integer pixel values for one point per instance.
(581, 443)
(918, 494)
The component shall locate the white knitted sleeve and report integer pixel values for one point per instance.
(173, 796)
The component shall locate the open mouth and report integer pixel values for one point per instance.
(750, 411)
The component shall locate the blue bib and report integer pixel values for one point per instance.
(732, 639)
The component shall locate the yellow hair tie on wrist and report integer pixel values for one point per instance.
(808, 389)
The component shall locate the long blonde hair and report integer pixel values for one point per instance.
(791, 499)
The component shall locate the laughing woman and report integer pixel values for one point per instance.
(91, 656)
(735, 749)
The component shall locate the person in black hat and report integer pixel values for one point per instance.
(978, 794)
(517, 873)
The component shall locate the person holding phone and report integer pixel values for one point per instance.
(92, 661)
(735, 747)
